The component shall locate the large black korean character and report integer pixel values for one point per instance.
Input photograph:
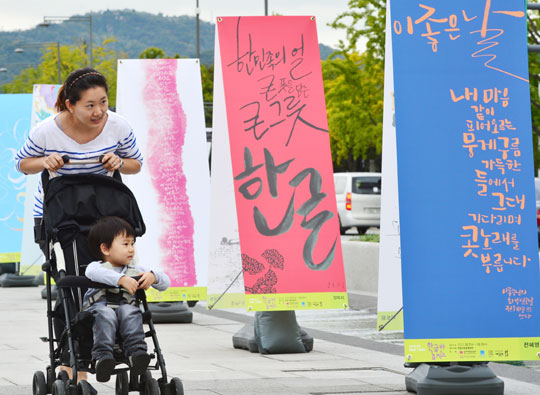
(295, 106)
(249, 169)
(255, 124)
(315, 223)
(272, 170)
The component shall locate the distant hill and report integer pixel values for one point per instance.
(133, 30)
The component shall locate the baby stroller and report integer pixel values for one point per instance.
(72, 204)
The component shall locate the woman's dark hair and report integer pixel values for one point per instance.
(104, 231)
(77, 82)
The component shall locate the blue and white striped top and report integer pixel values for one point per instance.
(47, 138)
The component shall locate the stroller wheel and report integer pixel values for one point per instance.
(176, 387)
(59, 388)
(51, 377)
(39, 384)
(151, 387)
(83, 388)
(136, 382)
(63, 375)
(122, 384)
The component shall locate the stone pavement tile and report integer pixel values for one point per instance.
(382, 380)
(365, 356)
(323, 363)
(15, 390)
(281, 386)
(19, 369)
(262, 383)
(389, 383)
(358, 375)
(313, 356)
(514, 387)
(210, 320)
(371, 393)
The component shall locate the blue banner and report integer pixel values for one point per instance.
(15, 111)
(469, 243)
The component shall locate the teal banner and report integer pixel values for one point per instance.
(15, 113)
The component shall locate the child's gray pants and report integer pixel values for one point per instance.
(126, 319)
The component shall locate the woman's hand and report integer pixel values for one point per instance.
(112, 162)
(53, 162)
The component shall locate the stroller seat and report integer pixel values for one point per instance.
(72, 204)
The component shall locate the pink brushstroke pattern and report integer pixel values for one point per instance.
(166, 133)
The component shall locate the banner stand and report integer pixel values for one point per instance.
(453, 378)
(170, 312)
(247, 338)
(10, 276)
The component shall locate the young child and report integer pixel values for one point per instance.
(112, 240)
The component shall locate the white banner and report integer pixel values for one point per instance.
(162, 100)
(389, 300)
(225, 280)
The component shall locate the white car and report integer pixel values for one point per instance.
(358, 198)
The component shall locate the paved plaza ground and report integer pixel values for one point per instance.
(349, 357)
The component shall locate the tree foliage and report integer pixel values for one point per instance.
(207, 79)
(72, 57)
(364, 21)
(354, 86)
(354, 106)
(533, 27)
(152, 53)
(357, 131)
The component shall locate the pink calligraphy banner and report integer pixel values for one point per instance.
(281, 160)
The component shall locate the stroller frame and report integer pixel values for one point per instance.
(75, 319)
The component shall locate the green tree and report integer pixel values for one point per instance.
(533, 27)
(156, 53)
(152, 53)
(207, 79)
(364, 23)
(354, 100)
(72, 57)
(354, 86)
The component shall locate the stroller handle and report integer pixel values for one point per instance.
(67, 159)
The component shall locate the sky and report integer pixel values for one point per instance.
(25, 14)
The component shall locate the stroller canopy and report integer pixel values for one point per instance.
(73, 203)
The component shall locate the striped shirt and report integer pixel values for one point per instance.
(47, 138)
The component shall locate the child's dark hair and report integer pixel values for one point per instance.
(104, 231)
(77, 82)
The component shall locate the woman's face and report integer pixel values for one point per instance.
(91, 109)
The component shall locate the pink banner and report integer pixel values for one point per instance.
(166, 134)
(280, 150)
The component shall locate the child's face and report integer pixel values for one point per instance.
(121, 251)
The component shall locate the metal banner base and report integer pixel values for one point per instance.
(54, 292)
(245, 339)
(8, 268)
(170, 312)
(474, 378)
(14, 280)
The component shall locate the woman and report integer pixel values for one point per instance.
(84, 128)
